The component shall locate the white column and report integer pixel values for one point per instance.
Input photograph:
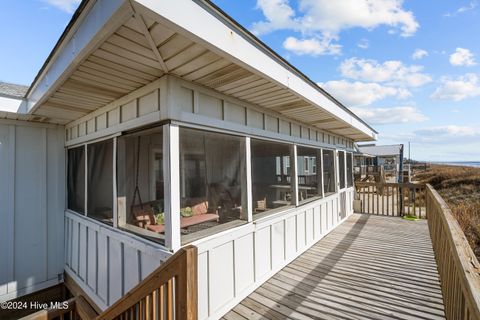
(171, 169)
(294, 175)
(247, 183)
(115, 196)
(85, 210)
(321, 174)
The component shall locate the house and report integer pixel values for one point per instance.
(152, 126)
(389, 157)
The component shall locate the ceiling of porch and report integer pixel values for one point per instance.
(141, 50)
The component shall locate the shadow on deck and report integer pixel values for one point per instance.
(369, 267)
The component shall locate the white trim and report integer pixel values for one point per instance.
(321, 168)
(171, 167)
(114, 178)
(294, 175)
(97, 23)
(248, 173)
(85, 208)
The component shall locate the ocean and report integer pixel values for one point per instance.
(461, 163)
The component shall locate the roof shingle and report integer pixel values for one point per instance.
(13, 90)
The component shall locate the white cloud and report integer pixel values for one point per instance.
(419, 54)
(391, 71)
(471, 6)
(68, 6)
(462, 57)
(356, 94)
(334, 16)
(363, 44)
(449, 130)
(393, 115)
(454, 136)
(457, 89)
(325, 19)
(312, 46)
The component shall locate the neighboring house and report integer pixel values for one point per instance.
(390, 157)
(157, 124)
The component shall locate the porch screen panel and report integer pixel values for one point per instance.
(100, 181)
(212, 179)
(309, 164)
(349, 170)
(341, 168)
(328, 171)
(271, 175)
(140, 183)
(76, 179)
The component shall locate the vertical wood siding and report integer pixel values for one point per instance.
(32, 197)
(107, 262)
(232, 265)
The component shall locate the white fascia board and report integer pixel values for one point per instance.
(189, 18)
(98, 22)
(10, 104)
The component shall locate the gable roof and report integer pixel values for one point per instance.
(233, 57)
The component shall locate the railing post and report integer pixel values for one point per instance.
(186, 297)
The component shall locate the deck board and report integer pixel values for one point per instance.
(369, 267)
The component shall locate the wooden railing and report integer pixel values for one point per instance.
(391, 199)
(457, 265)
(170, 292)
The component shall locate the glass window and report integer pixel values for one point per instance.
(328, 171)
(140, 183)
(349, 170)
(309, 182)
(100, 181)
(76, 179)
(212, 180)
(341, 168)
(271, 186)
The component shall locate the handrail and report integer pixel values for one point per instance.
(458, 267)
(391, 199)
(169, 292)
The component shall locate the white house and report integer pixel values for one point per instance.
(157, 124)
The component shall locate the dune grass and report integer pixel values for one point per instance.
(460, 188)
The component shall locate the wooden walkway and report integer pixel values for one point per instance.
(370, 267)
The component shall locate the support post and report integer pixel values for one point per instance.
(171, 170)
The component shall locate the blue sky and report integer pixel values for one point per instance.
(409, 68)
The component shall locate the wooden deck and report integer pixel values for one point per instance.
(370, 267)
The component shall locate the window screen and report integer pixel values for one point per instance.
(341, 168)
(76, 179)
(100, 181)
(271, 180)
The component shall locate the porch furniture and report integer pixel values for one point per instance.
(261, 205)
(144, 215)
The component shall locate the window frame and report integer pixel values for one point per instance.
(171, 154)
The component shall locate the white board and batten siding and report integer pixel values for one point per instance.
(32, 197)
(171, 98)
(107, 262)
(232, 264)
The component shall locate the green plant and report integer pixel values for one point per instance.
(186, 212)
(160, 218)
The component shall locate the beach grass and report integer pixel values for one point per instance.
(460, 188)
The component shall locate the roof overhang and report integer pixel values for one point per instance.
(114, 47)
